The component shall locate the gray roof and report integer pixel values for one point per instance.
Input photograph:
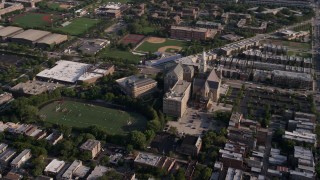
(213, 80)
(188, 68)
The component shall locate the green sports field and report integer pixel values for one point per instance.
(154, 47)
(77, 114)
(78, 26)
(33, 20)
(117, 53)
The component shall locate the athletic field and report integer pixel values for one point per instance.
(78, 26)
(77, 114)
(155, 44)
(34, 20)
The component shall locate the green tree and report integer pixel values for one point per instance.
(138, 139)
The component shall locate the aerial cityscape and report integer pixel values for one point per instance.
(160, 89)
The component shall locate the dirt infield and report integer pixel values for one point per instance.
(165, 48)
(65, 6)
(156, 40)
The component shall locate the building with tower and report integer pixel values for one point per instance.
(207, 85)
(176, 73)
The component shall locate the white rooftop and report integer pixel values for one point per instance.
(54, 166)
(66, 71)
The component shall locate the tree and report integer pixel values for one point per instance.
(105, 161)
(180, 174)
(85, 155)
(111, 175)
(38, 166)
(138, 139)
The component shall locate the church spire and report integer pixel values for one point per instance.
(203, 62)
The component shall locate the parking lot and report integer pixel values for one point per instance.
(193, 122)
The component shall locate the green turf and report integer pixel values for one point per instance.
(77, 114)
(78, 26)
(153, 47)
(116, 53)
(31, 20)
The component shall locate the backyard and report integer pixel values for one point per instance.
(78, 114)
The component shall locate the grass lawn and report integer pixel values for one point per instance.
(116, 53)
(147, 30)
(78, 26)
(153, 47)
(33, 20)
(77, 114)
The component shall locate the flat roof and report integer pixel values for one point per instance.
(31, 35)
(34, 87)
(6, 155)
(53, 39)
(21, 156)
(97, 172)
(89, 144)
(69, 172)
(148, 159)
(54, 166)
(9, 30)
(189, 29)
(66, 71)
(178, 90)
(303, 76)
(135, 81)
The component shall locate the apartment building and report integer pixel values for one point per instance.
(176, 99)
(136, 86)
(190, 146)
(292, 79)
(188, 33)
(93, 146)
(286, 3)
(24, 156)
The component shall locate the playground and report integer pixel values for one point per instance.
(78, 114)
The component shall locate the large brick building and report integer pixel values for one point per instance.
(187, 33)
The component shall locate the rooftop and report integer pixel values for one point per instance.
(178, 90)
(34, 87)
(135, 81)
(148, 159)
(21, 156)
(31, 35)
(54, 166)
(98, 171)
(72, 168)
(89, 144)
(302, 76)
(53, 39)
(6, 155)
(189, 29)
(9, 30)
(66, 71)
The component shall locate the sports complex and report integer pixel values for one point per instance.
(79, 114)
